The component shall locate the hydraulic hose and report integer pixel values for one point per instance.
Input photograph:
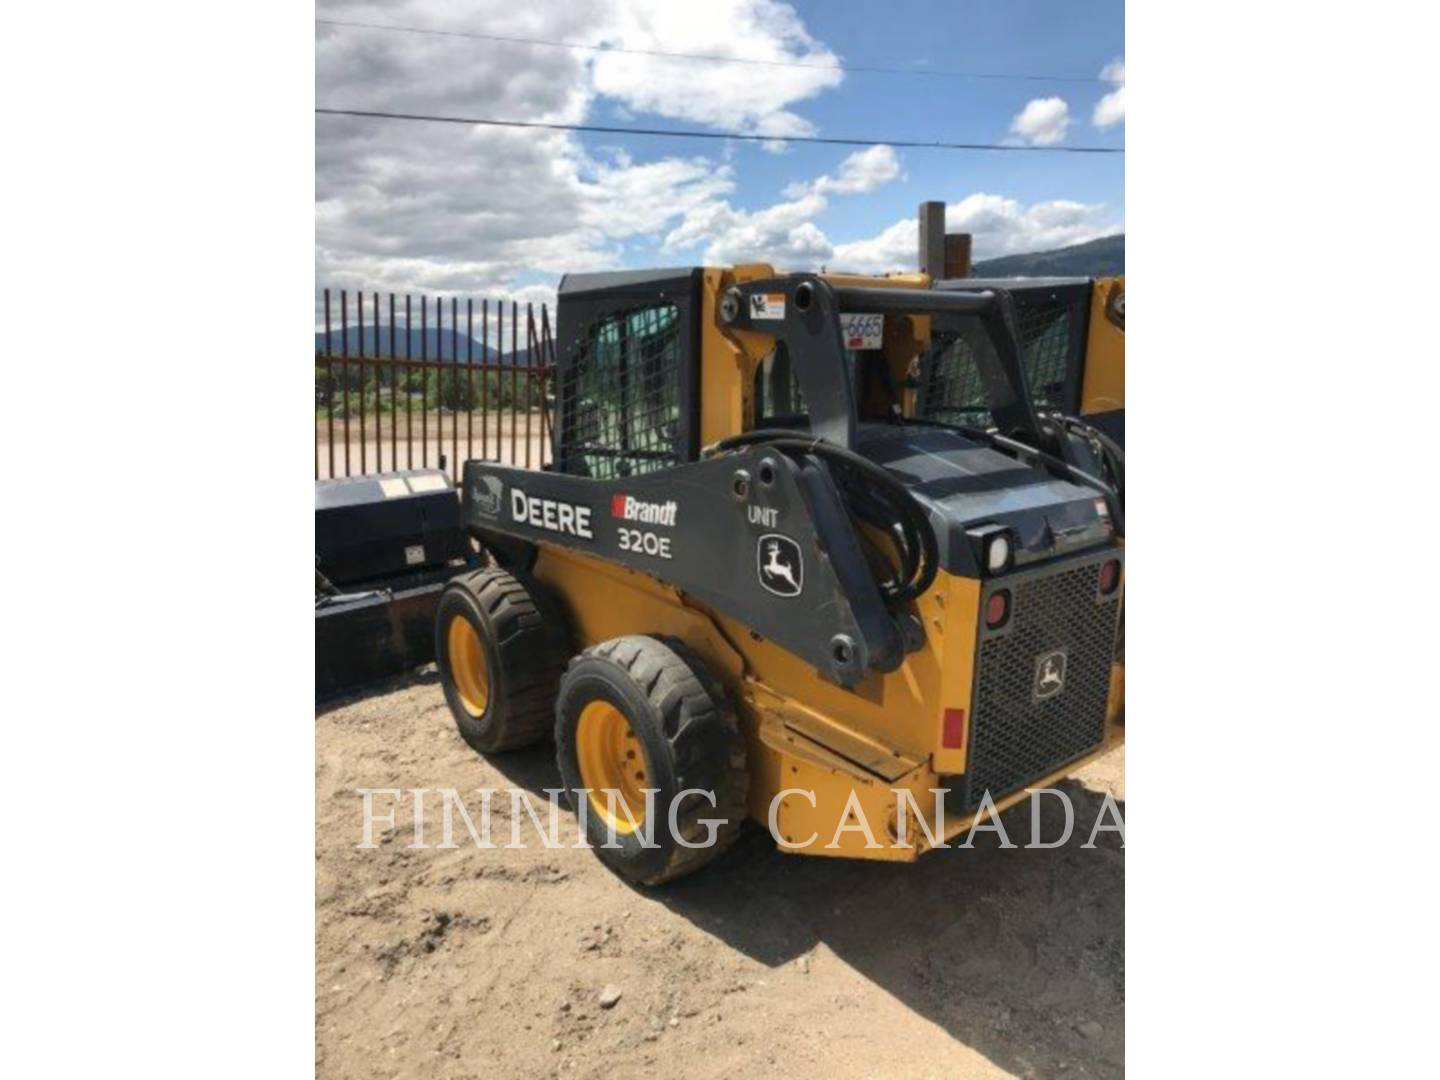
(1111, 452)
(873, 496)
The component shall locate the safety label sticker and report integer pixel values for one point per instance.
(767, 305)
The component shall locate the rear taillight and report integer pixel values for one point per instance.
(952, 735)
(997, 609)
(1109, 577)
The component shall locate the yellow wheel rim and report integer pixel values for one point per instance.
(611, 759)
(468, 666)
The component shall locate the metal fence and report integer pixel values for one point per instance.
(398, 389)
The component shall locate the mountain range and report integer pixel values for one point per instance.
(446, 345)
(1094, 258)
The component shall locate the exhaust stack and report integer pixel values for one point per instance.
(942, 255)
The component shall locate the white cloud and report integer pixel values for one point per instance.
(860, 173)
(1042, 122)
(415, 207)
(1110, 109)
(785, 233)
(749, 97)
(624, 199)
(897, 248)
(999, 226)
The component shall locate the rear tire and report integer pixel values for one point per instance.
(500, 660)
(645, 712)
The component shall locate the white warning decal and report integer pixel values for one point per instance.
(862, 331)
(767, 305)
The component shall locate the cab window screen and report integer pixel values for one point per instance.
(620, 396)
(951, 387)
(1045, 350)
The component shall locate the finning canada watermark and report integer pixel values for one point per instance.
(442, 818)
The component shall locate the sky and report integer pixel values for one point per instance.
(502, 213)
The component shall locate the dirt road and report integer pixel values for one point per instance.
(490, 963)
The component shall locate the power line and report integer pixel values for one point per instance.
(667, 133)
(847, 68)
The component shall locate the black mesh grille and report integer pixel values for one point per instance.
(620, 396)
(951, 390)
(1015, 737)
(1044, 331)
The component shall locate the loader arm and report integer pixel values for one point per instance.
(802, 582)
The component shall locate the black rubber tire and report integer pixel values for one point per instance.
(691, 739)
(524, 652)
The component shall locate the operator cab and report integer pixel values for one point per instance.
(933, 386)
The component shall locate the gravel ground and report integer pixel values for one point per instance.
(504, 962)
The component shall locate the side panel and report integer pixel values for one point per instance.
(1102, 398)
(603, 601)
(903, 709)
(800, 732)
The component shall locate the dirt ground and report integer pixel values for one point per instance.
(470, 963)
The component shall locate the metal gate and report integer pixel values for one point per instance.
(396, 388)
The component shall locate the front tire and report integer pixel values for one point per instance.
(644, 712)
(500, 660)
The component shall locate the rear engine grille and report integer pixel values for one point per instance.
(1017, 735)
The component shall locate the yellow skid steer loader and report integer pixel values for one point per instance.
(772, 573)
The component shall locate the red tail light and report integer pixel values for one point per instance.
(997, 609)
(1109, 577)
(952, 735)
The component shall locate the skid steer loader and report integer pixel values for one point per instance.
(769, 576)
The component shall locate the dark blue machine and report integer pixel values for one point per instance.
(384, 548)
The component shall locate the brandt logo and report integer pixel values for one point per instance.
(629, 508)
(1049, 674)
(782, 570)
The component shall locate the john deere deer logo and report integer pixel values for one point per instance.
(782, 571)
(1049, 674)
